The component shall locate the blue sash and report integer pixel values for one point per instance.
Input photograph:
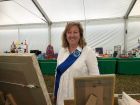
(64, 66)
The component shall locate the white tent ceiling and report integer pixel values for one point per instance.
(19, 12)
(40, 11)
(136, 10)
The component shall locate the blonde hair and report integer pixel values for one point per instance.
(81, 42)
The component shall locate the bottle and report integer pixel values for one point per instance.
(13, 47)
(25, 47)
(21, 48)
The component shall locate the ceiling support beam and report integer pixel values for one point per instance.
(100, 19)
(45, 16)
(130, 9)
(42, 11)
(5, 0)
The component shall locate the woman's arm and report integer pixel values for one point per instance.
(92, 63)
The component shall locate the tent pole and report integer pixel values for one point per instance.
(84, 18)
(125, 35)
(49, 33)
(18, 33)
(35, 2)
(126, 24)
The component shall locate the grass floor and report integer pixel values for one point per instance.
(127, 83)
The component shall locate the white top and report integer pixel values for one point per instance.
(85, 65)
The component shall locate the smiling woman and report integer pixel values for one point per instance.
(74, 59)
(73, 37)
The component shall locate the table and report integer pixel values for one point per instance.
(128, 66)
(107, 65)
(48, 66)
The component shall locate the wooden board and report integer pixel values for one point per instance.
(101, 88)
(69, 102)
(21, 76)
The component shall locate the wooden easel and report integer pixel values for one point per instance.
(20, 66)
(10, 100)
(92, 100)
(2, 99)
(6, 99)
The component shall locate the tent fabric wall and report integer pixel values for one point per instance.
(7, 36)
(37, 39)
(133, 33)
(36, 36)
(56, 34)
(106, 34)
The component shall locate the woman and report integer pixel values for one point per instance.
(74, 59)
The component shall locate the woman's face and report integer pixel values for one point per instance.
(73, 36)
